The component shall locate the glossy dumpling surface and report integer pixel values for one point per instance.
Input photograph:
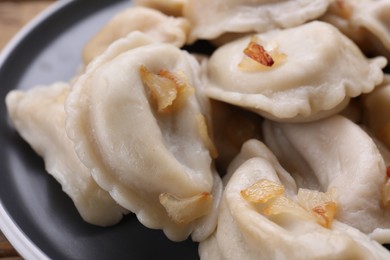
(314, 72)
(39, 117)
(335, 153)
(210, 19)
(152, 22)
(274, 230)
(154, 161)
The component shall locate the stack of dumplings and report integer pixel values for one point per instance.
(273, 145)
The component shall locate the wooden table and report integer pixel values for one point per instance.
(13, 16)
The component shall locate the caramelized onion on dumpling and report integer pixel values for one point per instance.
(154, 162)
(281, 227)
(335, 153)
(39, 117)
(311, 73)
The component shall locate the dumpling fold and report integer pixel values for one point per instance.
(263, 216)
(149, 21)
(299, 74)
(211, 19)
(336, 153)
(39, 117)
(139, 121)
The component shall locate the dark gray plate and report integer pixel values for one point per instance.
(47, 51)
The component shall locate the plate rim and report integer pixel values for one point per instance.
(18, 239)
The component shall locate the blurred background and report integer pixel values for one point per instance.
(13, 16)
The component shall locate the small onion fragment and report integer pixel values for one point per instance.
(169, 90)
(204, 134)
(323, 206)
(260, 56)
(262, 191)
(257, 53)
(283, 204)
(186, 210)
(315, 205)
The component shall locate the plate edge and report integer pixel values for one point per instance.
(25, 247)
(18, 37)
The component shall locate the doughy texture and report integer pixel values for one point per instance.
(245, 232)
(316, 71)
(335, 153)
(376, 107)
(211, 19)
(170, 7)
(135, 152)
(39, 117)
(367, 22)
(152, 22)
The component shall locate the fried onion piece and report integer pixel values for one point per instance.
(204, 134)
(262, 191)
(168, 90)
(186, 210)
(322, 206)
(260, 56)
(257, 52)
(319, 206)
(283, 204)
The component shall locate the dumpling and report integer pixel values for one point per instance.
(298, 74)
(376, 109)
(152, 22)
(39, 117)
(263, 216)
(211, 19)
(170, 7)
(336, 153)
(138, 118)
(365, 21)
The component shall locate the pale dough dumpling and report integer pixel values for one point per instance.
(336, 153)
(298, 74)
(211, 19)
(273, 223)
(138, 119)
(152, 22)
(39, 117)
(365, 21)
